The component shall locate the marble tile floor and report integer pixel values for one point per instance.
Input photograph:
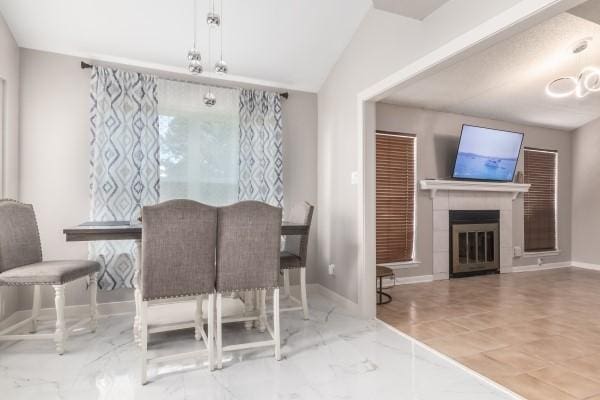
(536, 333)
(331, 356)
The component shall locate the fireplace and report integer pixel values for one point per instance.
(474, 242)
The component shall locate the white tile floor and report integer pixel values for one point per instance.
(332, 356)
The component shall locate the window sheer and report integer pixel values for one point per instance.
(199, 145)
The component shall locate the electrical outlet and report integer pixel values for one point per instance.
(517, 251)
(331, 269)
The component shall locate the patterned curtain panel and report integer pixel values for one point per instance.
(124, 162)
(261, 155)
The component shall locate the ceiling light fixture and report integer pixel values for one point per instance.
(213, 21)
(586, 82)
(194, 57)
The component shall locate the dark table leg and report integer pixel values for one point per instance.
(381, 294)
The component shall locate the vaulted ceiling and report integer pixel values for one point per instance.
(291, 44)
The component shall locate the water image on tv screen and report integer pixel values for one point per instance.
(487, 154)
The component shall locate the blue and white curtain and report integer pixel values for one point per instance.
(124, 162)
(261, 153)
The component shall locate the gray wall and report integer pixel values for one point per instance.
(55, 158)
(437, 139)
(383, 44)
(586, 193)
(9, 144)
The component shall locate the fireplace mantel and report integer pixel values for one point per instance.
(434, 185)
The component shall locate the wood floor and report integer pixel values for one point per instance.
(537, 333)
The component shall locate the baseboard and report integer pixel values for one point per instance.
(414, 279)
(343, 302)
(535, 267)
(583, 265)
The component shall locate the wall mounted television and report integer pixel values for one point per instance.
(486, 154)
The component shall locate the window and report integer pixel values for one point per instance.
(541, 171)
(199, 145)
(395, 197)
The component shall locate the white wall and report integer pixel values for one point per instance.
(55, 157)
(586, 193)
(9, 144)
(384, 44)
(437, 139)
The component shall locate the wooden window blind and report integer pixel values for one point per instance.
(395, 196)
(541, 168)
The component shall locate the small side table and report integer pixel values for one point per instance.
(383, 272)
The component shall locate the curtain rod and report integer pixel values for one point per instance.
(85, 65)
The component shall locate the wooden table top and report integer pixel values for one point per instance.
(123, 230)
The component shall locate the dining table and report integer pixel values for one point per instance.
(124, 230)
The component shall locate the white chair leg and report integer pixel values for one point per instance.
(303, 292)
(35, 310)
(249, 307)
(93, 304)
(286, 283)
(137, 296)
(61, 331)
(276, 327)
(198, 318)
(144, 340)
(219, 332)
(211, 332)
(262, 304)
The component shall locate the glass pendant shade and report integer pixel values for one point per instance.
(213, 19)
(210, 99)
(221, 67)
(194, 54)
(195, 67)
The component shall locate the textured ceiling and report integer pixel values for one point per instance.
(507, 81)
(292, 44)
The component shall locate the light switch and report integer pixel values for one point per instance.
(354, 178)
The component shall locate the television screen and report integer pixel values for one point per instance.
(487, 154)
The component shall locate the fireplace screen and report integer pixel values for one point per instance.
(475, 247)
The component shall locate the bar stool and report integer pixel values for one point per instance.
(178, 264)
(248, 245)
(294, 255)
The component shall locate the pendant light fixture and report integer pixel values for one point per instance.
(579, 86)
(221, 65)
(214, 21)
(194, 56)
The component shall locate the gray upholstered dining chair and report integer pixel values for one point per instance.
(294, 255)
(178, 264)
(21, 264)
(248, 246)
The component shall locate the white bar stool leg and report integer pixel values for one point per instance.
(137, 296)
(303, 292)
(144, 340)
(219, 332)
(286, 283)
(61, 332)
(93, 303)
(276, 327)
(262, 304)
(35, 310)
(211, 332)
(198, 322)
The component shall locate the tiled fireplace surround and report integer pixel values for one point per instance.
(445, 200)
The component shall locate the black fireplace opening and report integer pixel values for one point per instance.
(474, 242)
